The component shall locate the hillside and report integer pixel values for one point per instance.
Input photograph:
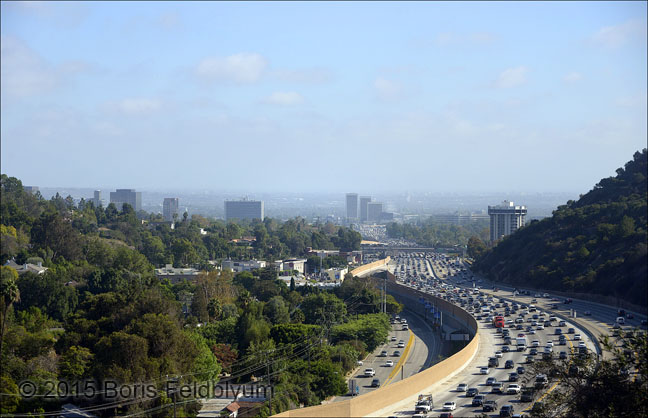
(596, 245)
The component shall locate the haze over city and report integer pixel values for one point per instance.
(322, 97)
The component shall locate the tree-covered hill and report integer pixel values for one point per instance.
(597, 244)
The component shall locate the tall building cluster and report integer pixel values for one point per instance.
(129, 196)
(364, 210)
(170, 208)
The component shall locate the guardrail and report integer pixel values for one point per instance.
(386, 396)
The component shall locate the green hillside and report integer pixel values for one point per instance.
(597, 244)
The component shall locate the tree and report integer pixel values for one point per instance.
(614, 386)
(74, 362)
(277, 311)
(10, 293)
(322, 308)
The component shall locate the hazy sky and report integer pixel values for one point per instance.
(331, 96)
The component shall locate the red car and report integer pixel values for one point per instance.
(446, 415)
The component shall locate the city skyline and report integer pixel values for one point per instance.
(439, 97)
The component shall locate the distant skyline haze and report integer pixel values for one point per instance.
(366, 97)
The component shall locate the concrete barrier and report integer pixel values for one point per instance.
(368, 267)
(369, 404)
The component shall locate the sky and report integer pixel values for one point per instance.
(322, 96)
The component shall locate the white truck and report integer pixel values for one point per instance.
(521, 343)
(424, 403)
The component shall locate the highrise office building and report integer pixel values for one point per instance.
(129, 196)
(169, 208)
(352, 205)
(243, 209)
(364, 201)
(96, 200)
(374, 211)
(505, 219)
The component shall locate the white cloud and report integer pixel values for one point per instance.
(306, 76)
(618, 35)
(137, 106)
(512, 77)
(573, 77)
(284, 98)
(387, 89)
(24, 72)
(475, 38)
(239, 68)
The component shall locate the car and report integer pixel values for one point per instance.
(383, 353)
(509, 364)
(550, 344)
(497, 387)
(571, 330)
(506, 349)
(462, 387)
(389, 363)
(581, 344)
(562, 323)
(558, 331)
(540, 327)
(532, 331)
(478, 400)
(446, 415)
(533, 351)
(513, 389)
(393, 338)
(577, 337)
(396, 353)
(369, 372)
(375, 383)
(489, 406)
(471, 392)
(401, 345)
(513, 377)
(359, 363)
(506, 411)
(450, 406)
(490, 381)
(498, 354)
(484, 370)
(530, 359)
(535, 343)
(562, 355)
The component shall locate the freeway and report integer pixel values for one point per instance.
(492, 344)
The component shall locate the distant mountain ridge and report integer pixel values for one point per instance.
(597, 244)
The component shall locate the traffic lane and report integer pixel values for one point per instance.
(377, 362)
(423, 352)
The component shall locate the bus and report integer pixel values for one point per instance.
(498, 321)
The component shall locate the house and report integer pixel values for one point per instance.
(239, 266)
(24, 268)
(291, 265)
(176, 275)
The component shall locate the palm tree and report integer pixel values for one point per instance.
(10, 293)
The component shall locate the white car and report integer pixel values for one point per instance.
(535, 343)
(369, 372)
(513, 389)
(550, 344)
(540, 327)
(577, 337)
(581, 344)
(498, 354)
(449, 406)
(389, 363)
(484, 370)
(462, 387)
(393, 338)
(359, 363)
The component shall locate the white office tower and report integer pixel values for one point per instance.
(505, 219)
(352, 206)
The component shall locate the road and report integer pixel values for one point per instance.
(424, 349)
